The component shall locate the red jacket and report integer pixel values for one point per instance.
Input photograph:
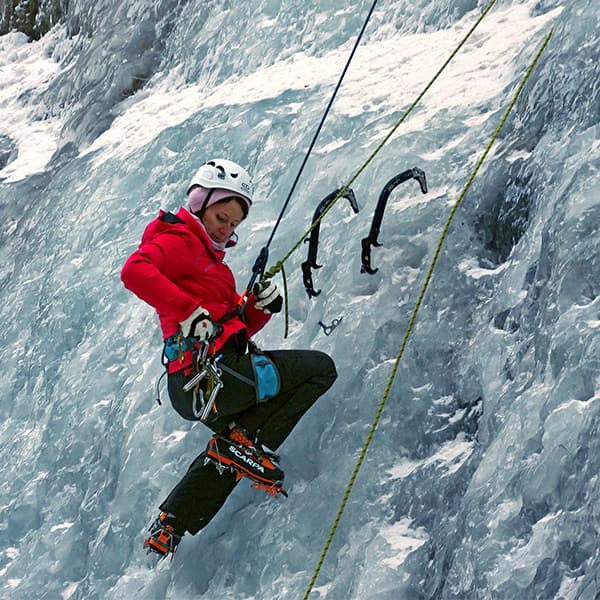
(175, 269)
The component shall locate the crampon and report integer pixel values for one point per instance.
(163, 540)
(239, 454)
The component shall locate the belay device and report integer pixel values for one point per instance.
(371, 239)
(313, 240)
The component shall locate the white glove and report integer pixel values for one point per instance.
(267, 297)
(198, 325)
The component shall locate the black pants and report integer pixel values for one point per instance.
(304, 374)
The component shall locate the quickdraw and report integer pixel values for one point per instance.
(371, 239)
(204, 400)
(328, 329)
(313, 240)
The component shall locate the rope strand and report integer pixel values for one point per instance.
(318, 131)
(275, 268)
(415, 312)
(260, 263)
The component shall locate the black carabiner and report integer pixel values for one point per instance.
(313, 241)
(327, 329)
(371, 239)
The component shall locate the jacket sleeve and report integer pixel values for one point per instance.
(256, 319)
(143, 275)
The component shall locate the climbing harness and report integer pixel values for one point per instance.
(175, 348)
(371, 239)
(313, 241)
(207, 382)
(415, 311)
(328, 329)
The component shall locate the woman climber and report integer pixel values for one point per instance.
(250, 399)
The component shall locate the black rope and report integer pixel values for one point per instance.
(260, 264)
(314, 140)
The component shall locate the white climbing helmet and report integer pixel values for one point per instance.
(224, 174)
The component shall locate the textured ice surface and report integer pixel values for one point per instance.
(482, 479)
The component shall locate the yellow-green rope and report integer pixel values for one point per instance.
(277, 267)
(415, 312)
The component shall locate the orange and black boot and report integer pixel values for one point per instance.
(163, 539)
(235, 450)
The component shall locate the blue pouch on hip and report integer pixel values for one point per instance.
(266, 377)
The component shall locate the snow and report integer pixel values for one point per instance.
(402, 540)
(26, 71)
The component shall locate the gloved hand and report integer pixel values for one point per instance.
(268, 297)
(198, 325)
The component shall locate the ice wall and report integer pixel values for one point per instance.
(481, 481)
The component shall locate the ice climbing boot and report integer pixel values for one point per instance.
(236, 451)
(163, 540)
